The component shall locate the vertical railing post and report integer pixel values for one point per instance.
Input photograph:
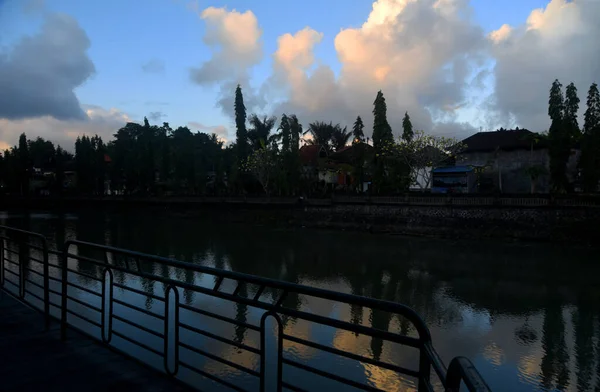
(46, 283)
(22, 260)
(2, 262)
(106, 334)
(168, 290)
(424, 369)
(63, 297)
(263, 350)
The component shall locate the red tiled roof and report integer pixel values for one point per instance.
(309, 154)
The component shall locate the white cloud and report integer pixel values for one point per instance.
(219, 130)
(101, 121)
(557, 42)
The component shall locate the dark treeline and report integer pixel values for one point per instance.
(145, 159)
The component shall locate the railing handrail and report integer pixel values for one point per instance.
(409, 313)
(460, 370)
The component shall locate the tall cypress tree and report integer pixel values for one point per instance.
(407, 128)
(241, 134)
(559, 139)
(571, 110)
(589, 162)
(24, 164)
(357, 131)
(382, 132)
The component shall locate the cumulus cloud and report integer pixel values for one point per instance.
(219, 130)
(154, 66)
(422, 54)
(556, 42)
(99, 121)
(235, 40)
(39, 73)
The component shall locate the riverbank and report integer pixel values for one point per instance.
(470, 218)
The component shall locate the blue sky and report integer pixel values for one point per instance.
(126, 34)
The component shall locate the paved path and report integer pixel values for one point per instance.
(33, 359)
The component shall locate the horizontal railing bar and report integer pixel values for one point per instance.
(292, 387)
(84, 318)
(83, 288)
(34, 295)
(15, 230)
(219, 317)
(356, 357)
(11, 272)
(405, 340)
(137, 291)
(34, 246)
(372, 303)
(11, 282)
(136, 325)
(54, 291)
(83, 303)
(145, 311)
(210, 376)
(11, 262)
(34, 272)
(55, 252)
(54, 279)
(140, 344)
(84, 274)
(219, 338)
(35, 259)
(331, 376)
(219, 359)
(36, 284)
(14, 252)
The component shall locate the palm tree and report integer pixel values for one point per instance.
(340, 137)
(259, 134)
(322, 134)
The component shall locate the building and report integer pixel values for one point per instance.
(507, 161)
(453, 179)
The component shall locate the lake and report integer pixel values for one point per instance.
(526, 314)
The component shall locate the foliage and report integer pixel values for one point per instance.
(589, 161)
(407, 128)
(322, 134)
(358, 135)
(340, 137)
(259, 134)
(559, 139)
(262, 163)
(421, 154)
(382, 132)
(240, 125)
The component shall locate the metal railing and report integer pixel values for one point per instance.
(154, 332)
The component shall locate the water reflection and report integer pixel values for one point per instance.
(526, 314)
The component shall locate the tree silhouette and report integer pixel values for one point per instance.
(589, 161)
(559, 139)
(241, 136)
(382, 132)
(407, 128)
(339, 137)
(358, 135)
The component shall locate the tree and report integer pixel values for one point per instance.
(571, 110)
(322, 134)
(285, 134)
(358, 135)
(559, 139)
(422, 153)
(339, 137)
(589, 161)
(407, 128)
(260, 131)
(24, 164)
(241, 136)
(262, 164)
(382, 132)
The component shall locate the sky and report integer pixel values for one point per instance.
(72, 67)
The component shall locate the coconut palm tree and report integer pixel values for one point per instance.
(340, 137)
(259, 134)
(322, 134)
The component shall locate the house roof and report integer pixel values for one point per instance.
(512, 139)
(348, 153)
(309, 154)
